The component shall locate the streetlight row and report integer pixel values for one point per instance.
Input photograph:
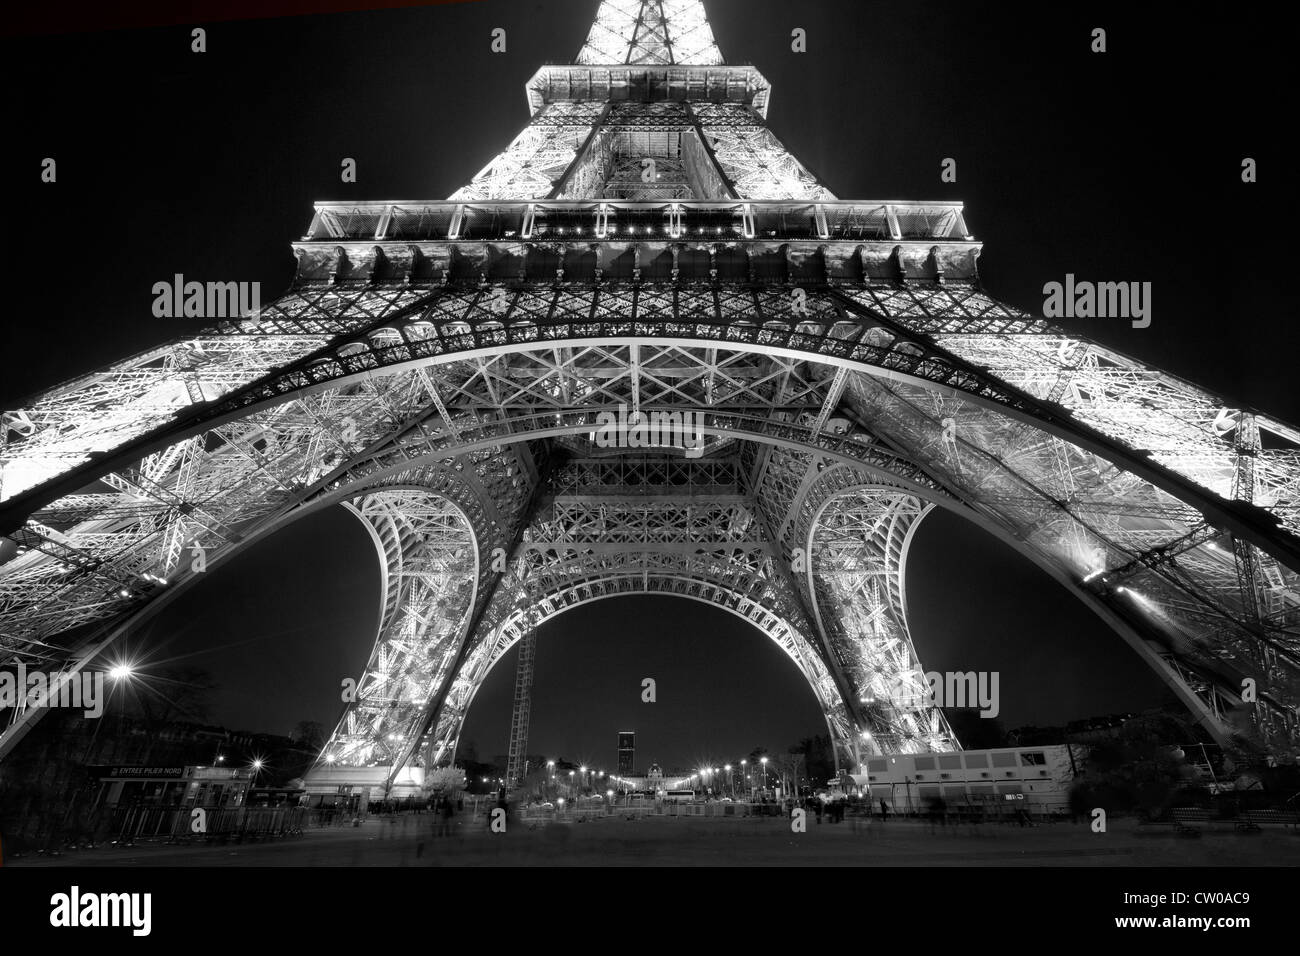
(550, 765)
(704, 772)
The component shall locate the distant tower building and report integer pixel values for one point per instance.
(626, 753)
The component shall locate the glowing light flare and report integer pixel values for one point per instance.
(1140, 599)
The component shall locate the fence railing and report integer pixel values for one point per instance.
(992, 811)
(139, 824)
(654, 809)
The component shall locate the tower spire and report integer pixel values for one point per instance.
(640, 32)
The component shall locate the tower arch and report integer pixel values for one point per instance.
(825, 344)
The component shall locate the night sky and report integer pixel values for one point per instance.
(1123, 166)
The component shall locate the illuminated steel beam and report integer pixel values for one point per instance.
(846, 366)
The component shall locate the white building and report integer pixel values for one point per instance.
(1036, 778)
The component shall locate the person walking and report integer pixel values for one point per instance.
(443, 811)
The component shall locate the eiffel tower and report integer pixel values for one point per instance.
(442, 369)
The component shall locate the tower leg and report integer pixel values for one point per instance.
(516, 767)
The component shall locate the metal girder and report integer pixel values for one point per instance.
(650, 32)
(666, 375)
(433, 346)
(675, 541)
(428, 583)
(517, 760)
(854, 573)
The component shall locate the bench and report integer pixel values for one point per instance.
(1252, 820)
(1184, 817)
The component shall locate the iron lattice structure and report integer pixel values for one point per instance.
(441, 366)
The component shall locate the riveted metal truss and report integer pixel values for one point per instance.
(845, 365)
(647, 525)
(534, 162)
(753, 160)
(637, 32)
(855, 571)
(428, 575)
(844, 535)
(1069, 505)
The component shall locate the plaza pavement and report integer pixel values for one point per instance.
(747, 841)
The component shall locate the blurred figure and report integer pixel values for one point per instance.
(445, 812)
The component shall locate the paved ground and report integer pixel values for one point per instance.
(613, 841)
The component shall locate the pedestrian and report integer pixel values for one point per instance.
(884, 811)
(444, 818)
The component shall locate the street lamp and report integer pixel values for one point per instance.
(763, 761)
(256, 767)
(121, 672)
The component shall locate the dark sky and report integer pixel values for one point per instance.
(1120, 166)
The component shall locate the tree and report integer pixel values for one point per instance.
(309, 735)
(819, 758)
(169, 696)
(1142, 768)
(444, 780)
